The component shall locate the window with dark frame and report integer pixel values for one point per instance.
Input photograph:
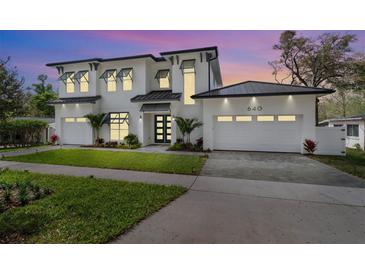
(353, 130)
(119, 126)
(126, 77)
(110, 79)
(68, 79)
(82, 77)
(188, 69)
(163, 78)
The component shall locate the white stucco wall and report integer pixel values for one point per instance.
(303, 105)
(330, 141)
(351, 141)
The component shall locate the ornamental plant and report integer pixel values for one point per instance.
(54, 139)
(310, 146)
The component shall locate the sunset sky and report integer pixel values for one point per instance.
(244, 55)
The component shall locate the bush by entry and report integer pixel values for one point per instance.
(153, 162)
(80, 209)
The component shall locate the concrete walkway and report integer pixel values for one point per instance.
(28, 151)
(115, 174)
(229, 210)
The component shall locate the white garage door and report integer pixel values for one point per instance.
(258, 133)
(76, 131)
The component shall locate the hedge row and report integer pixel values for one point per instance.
(21, 132)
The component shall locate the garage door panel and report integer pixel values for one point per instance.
(258, 136)
(76, 133)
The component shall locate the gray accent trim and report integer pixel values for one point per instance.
(157, 95)
(75, 100)
(155, 107)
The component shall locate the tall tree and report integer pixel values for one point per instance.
(313, 62)
(44, 93)
(11, 91)
(325, 61)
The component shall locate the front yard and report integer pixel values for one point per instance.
(353, 162)
(154, 162)
(80, 209)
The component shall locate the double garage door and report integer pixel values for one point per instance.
(277, 133)
(76, 131)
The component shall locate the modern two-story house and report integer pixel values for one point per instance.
(142, 94)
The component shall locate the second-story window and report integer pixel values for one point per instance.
(163, 78)
(110, 79)
(126, 76)
(68, 79)
(188, 70)
(83, 78)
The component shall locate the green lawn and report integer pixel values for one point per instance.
(81, 209)
(353, 162)
(8, 149)
(155, 162)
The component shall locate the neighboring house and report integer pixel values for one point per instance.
(142, 95)
(51, 127)
(354, 126)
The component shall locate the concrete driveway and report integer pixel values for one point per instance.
(281, 167)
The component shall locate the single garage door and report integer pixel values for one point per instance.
(76, 131)
(279, 133)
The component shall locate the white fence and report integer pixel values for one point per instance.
(331, 141)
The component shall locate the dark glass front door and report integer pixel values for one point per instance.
(162, 128)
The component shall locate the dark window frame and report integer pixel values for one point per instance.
(352, 130)
(81, 74)
(159, 74)
(108, 74)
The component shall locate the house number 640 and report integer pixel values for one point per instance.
(258, 108)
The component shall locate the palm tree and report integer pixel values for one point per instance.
(96, 121)
(187, 126)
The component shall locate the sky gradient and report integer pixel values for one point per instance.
(243, 55)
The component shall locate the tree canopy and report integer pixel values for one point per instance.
(44, 93)
(11, 91)
(325, 61)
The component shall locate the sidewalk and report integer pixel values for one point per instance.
(104, 173)
(242, 187)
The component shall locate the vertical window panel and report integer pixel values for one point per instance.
(189, 87)
(112, 82)
(70, 85)
(84, 83)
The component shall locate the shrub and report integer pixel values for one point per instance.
(23, 196)
(310, 146)
(54, 139)
(199, 142)
(21, 132)
(20, 222)
(99, 141)
(177, 147)
(131, 140)
(111, 144)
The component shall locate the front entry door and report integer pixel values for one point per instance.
(162, 128)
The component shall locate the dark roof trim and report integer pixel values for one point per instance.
(75, 100)
(198, 96)
(165, 107)
(156, 59)
(106, 60)
(74, 62)
(190, 50)
(157, 96)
